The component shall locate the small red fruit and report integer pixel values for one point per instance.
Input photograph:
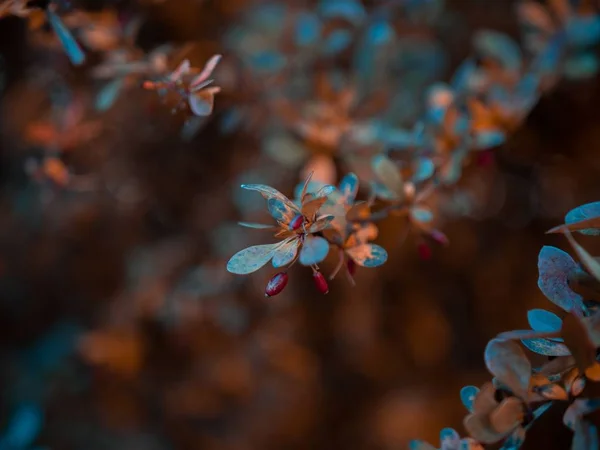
(485, 158)
(296, 222)
(351, 265)
(424, 251)
(321, 282)
(276, 284)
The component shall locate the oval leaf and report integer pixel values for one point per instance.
(314, 250)
(509, 364)
(368, 255)
(251, 259)
(555, 268)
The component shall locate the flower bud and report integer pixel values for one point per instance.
(424, 251)
(351, 265)
(320, 282)
(276, 284)
(296, 222)
(439, 237)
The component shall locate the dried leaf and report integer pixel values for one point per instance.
(509, 364)
(310, 208)
(478, 426)
(507, 416)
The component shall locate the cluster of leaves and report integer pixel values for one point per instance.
(406, 168)
(505, 408)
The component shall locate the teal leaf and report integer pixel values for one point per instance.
(555, 268)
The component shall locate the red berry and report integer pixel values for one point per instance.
(296, 222)
(351, 267)
(485, 158)
(424, 251)
(321, 282)
(276, 284)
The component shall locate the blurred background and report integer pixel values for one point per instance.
(119, 325)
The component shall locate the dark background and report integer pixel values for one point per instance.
(361, 368)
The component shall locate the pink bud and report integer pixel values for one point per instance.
(439, 237)
(424, 251)
(296, 222)
(276, 284)
(351, 267)
(320, 282)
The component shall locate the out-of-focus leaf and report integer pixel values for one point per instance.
(486, 139)
(23, 428)
(284, 149)
(424, 170)
(508, 363)
(351, 10)
(389, 175)
(578, 409)
(555, 268)
(337, 41)
(308, 29)
(534, 15)
(368, 255)
(314, 250)
(499, 46)
(70, 45)
(420, 445)
(267, 61)
(109, 94)
(421, 215)
(349, 187)
(449, 438)
(583, 30)
(582, 66)
(585, 437)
